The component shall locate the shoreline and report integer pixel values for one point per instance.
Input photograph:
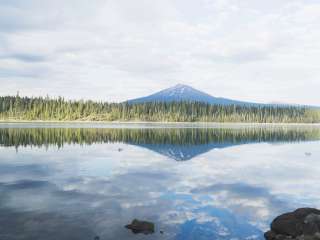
(163, 124)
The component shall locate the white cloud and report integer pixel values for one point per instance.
(115, 50)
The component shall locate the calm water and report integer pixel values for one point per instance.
(80, 181)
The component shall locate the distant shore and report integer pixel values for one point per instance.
(166, 124)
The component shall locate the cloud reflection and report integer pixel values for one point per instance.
(79, 192)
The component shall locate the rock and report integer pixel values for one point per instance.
(302, 224)
(287, 224)
(311, 224)
(270, 235)
(138, 226)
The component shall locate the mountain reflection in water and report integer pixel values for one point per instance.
(179, 144)
(80, 183)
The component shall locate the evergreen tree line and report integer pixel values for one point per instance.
(25, 108)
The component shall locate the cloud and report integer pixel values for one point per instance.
(228, 48)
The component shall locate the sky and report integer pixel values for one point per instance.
(114, 50)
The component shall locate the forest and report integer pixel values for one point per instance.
(16, 108)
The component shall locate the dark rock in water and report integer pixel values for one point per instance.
(96, 238)
(270, 235)
(138, 226)
(302, 224)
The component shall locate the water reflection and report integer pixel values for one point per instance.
(179, 144)
(75, 183)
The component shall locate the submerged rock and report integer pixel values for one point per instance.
(138, 226)
(302, 224)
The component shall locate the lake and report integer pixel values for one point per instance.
(87, 181)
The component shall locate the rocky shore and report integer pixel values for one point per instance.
(302, 224)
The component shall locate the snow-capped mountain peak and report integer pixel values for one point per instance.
(181, 92)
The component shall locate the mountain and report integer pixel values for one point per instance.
(182, 92)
